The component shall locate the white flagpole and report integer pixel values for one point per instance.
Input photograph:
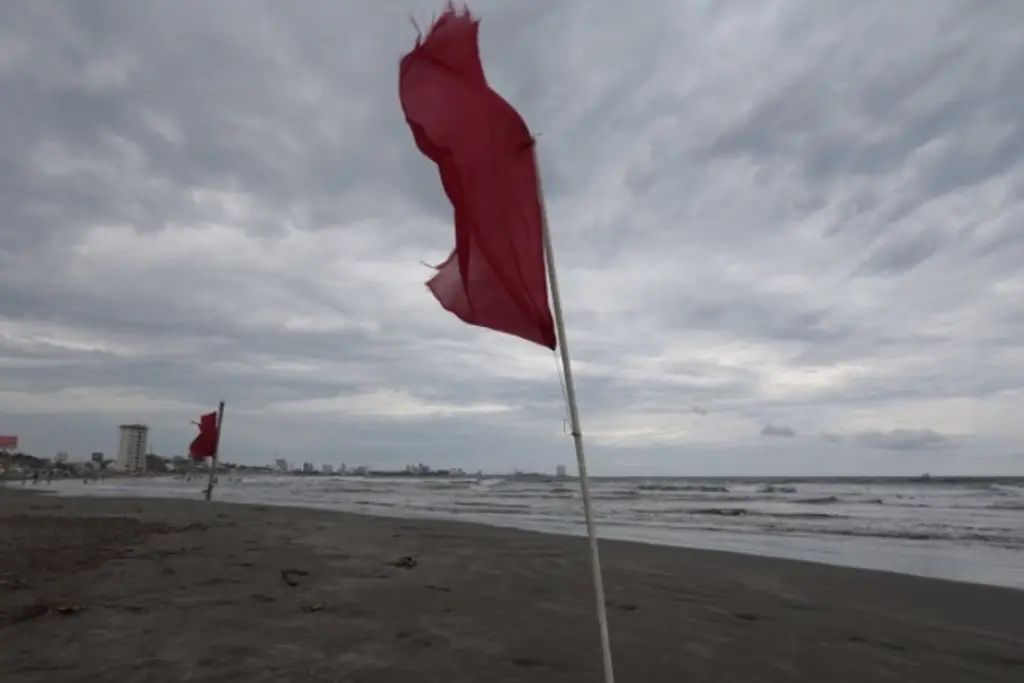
(577, 432)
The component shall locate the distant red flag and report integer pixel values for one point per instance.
(495, 277)
(205, 445)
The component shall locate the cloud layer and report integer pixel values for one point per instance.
(787, 218)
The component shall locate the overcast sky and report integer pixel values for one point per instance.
(790, 234)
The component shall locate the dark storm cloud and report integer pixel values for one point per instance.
(820, 227)
(778, 430)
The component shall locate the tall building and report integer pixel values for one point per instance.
(560, 471)
(131, 451)
(328, 469)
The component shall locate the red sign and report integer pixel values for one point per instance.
(8, 442)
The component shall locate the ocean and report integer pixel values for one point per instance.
(964, 529)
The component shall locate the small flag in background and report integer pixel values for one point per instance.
(495, 276)
(205, 445)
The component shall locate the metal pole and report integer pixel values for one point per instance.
(577, 433)
(216, 453)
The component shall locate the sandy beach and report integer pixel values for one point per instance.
(127, 590)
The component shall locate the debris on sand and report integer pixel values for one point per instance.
(67, 609)
(13, 584)
(407, 562)
(288, 573)
(41, 608)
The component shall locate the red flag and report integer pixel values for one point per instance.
(205, 445)
(495, 277)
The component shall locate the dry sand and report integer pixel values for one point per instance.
(148, 590)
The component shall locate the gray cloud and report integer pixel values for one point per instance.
(223, 202)
(904, 440)
(778, 430)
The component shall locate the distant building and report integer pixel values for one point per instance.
(97, 457)
(560, 471)
(307, 468)
(131, 451)
(157, 463)
(281, 464)
(328, 469)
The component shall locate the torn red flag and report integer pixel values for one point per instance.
(495, 276)
(205, 445)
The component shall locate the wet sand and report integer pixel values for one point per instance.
(155, 590)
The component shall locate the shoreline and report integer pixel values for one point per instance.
(994, 566)
(156, 590)
(470, 525)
